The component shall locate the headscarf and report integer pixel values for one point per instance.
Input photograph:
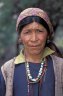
(35, 12)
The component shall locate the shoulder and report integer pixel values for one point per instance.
(57, 61)
(7, 64)
(58, 67)
(6, 67)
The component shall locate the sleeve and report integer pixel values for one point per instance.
(62, 77)
(2, 85)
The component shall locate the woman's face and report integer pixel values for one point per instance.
(33, 37)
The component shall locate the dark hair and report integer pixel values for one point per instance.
(29, 20)
(57, 52)
(41, 21)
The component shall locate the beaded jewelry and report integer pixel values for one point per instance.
(34, 80)
(40, 75)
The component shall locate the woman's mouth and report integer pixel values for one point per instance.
(35, 46)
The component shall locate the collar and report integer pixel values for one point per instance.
(20, 58)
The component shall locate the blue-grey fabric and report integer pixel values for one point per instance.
(2, 85)
(20, 80)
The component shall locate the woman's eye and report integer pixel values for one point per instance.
(39, 30)
(27, 32)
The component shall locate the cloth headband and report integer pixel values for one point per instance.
(36, 12)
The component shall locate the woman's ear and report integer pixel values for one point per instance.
(19, 41)
(48, 39)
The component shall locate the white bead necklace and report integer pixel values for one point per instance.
(29, 76)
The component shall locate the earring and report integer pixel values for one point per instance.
(48, 41)
(19, 41)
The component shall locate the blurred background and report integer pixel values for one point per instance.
(9, 11)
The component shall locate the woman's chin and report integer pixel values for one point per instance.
(35, 52)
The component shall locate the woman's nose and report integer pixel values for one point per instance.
(34, 36)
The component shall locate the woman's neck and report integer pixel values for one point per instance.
(36, 58)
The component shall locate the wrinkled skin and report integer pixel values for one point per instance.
(33, 37)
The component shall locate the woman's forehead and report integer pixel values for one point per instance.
(34, 25)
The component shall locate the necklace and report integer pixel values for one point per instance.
(41, 73)
(29, 76)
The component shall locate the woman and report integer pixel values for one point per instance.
(36, 71)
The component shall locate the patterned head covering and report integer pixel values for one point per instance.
(36, 12)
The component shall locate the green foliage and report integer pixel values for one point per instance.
(7, 24)
(27, 3)
(9, 10)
